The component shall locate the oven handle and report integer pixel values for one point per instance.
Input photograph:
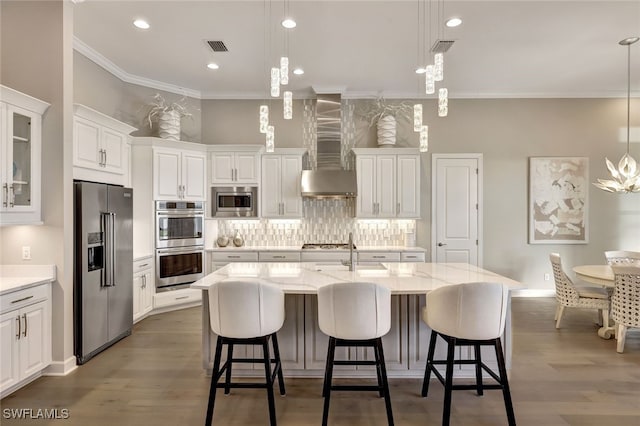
(180, 213)
(180, 250)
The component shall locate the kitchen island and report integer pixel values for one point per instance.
(303, 346)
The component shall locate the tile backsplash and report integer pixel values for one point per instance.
(325, 221)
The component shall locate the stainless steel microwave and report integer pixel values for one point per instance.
(234, 201)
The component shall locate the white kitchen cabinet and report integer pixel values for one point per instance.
(20, 157)
(279, 256)
(25, 336)
(378, 256)
(143, 288)
(280, 191)
(388, 183)
(230, 168)
(100, 147)
(179, 174)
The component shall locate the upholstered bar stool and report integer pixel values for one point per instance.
(246, 313)
(471, 314)
(355, 314)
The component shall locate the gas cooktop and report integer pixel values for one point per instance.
(327, 246)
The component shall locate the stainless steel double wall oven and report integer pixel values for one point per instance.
(179, 243)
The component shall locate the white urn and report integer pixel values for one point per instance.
(386, 131)
(169, 125)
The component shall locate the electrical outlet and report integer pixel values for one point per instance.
(26, 253)
(547, 277)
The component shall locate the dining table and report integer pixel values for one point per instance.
(600, 275)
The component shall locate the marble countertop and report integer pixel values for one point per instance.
(401, 278)
(19, 277)
(299, 248)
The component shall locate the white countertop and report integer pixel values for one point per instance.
(298, 248)
(401, 278)
(19, 277)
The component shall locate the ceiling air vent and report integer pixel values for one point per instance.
(441, 46)
(217, 46)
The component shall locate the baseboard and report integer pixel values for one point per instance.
(61, 368)
(534, 292)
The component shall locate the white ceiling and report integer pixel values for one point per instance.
(365, 48)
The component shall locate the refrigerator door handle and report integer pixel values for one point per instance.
(109, 248)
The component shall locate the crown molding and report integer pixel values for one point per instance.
(104, 62)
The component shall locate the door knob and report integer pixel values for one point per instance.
(441, 244)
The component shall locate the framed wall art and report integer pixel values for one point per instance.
(558, 200)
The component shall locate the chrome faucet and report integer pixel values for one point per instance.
(350, 263)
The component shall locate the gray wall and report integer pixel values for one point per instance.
(36, 53)
(506, 131)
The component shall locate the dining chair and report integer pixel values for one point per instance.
(625, 302)
(569, 295)
(246, 313)
(622, 257)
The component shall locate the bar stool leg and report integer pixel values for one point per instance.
(427, 370)
(378, 370)
(229, 364)
(267, 373)
(448, 386)
(479, 388)
(506, 392)
(214, 381)
(276, 354)
(385, 383)
(326, 392)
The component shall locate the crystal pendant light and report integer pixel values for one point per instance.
(284, 70)
(430, 85)
(438, 69)
(287, 103)
(270, 139)
(264, 118)
(626, 178)
(275, 82)
(443, 102)
(424, 138)
(417, 117)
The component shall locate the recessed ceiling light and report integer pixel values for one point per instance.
(421, 70)
(213, 66)
(298, 71)
(289, 23)
(142, 24)
(453, 22)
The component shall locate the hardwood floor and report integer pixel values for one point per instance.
(154, 377)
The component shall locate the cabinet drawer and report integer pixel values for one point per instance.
(378, 257)
(177, 297)
(142, 264)
(279, 256)
(28, 296)
(412, 257)
(325, 256)
(239, 256)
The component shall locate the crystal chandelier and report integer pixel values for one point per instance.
(626, 178)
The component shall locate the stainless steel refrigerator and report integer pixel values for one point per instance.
(103, 267)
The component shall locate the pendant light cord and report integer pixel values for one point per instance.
(628, 94)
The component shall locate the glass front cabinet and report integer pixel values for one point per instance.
(20, 157)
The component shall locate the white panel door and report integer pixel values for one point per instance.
(290, 186)
(246, 167)
(86, 144)
(194, 166)
(9, 364)
(456, 210)
(166, 175)
(408, 203)
(113, 144)
(366, 169)
(386, 185)
(32, 339)
(271, 190)
(222, 165)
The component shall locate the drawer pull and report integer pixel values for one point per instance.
(411, 257)
(143, 265)
(233, 257)
(23, 299)
(379, 257)
(279, 257)
(182, 297)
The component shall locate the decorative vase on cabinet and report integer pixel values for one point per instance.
(387, 131)
(169, 125)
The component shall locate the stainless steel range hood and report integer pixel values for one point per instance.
(329, 180)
